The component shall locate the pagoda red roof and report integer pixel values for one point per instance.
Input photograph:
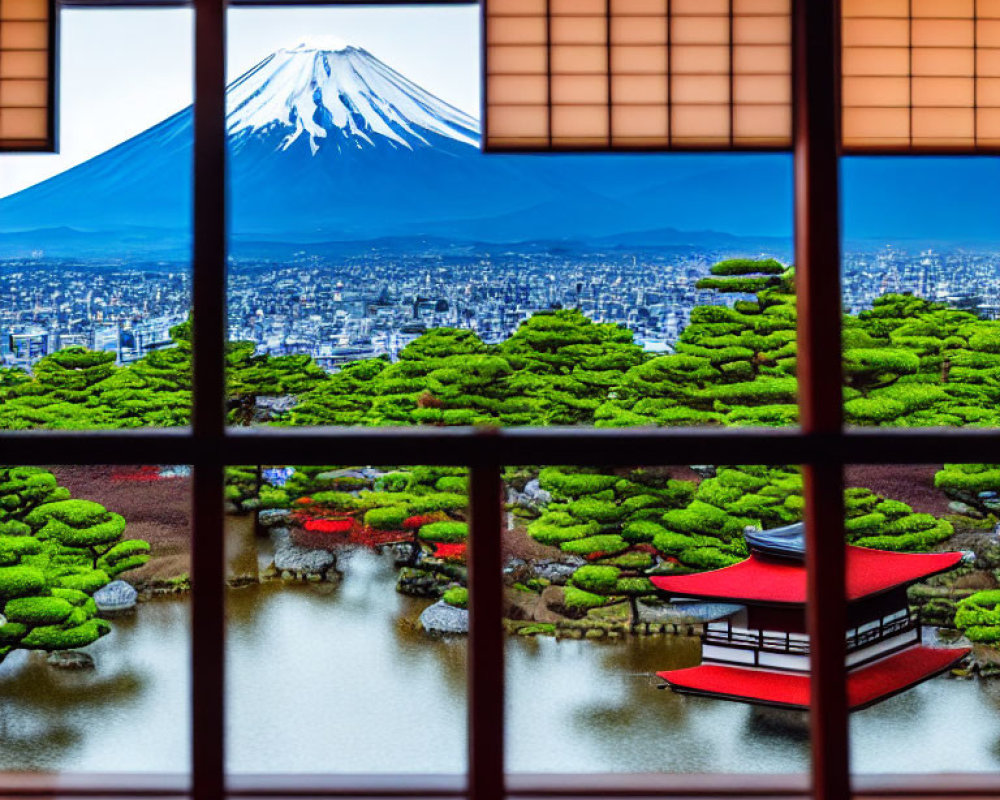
(865, 686)
(760, 580)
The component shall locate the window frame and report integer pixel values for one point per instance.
(822, 445)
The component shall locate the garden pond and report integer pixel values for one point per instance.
(339, 679)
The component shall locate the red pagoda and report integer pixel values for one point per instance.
(761, 654)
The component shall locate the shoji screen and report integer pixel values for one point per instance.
(26, 42)
(918, 75)
(623, 74)
(921, 74)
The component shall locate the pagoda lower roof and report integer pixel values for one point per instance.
(866, 685)
(773, 581)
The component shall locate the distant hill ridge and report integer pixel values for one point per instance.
(330, 144)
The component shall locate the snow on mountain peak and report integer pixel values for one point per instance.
(333, 93)
(331, 44)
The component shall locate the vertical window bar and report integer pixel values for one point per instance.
(909, 70)
(975, 74)
(208, 395)
(816, 81)
(732, 79)
(608, 67)
(548, 68)
(486, 644)
(670, 89)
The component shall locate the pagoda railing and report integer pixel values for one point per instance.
(767, 641)
(886, 629)
(798, 644)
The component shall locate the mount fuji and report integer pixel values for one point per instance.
(330, 144)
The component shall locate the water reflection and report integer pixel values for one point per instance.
(342, 680)
(130, 713)
(339, 679)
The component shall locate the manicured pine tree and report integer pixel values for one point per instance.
(54, 553)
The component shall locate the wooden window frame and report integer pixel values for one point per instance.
(50, 143)
(822, 445)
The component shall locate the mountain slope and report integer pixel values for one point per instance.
(328, 143)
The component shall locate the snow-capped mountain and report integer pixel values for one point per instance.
(328, 143)
(335, 95)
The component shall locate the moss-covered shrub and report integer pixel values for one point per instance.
(457, 596)
(444, 532)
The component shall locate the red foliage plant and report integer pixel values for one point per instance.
(417, 521)
(329, 525)
(143, 474)
(450, 551)
(370, 537)
(323, 534)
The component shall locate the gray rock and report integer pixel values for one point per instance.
(289, 557)
(988, 495)
(267, 407)
(968, 556)
(330, 475)
(958, 507)
(271, 517)
(535, 493)
(69, 659)
(557, 571)
(443, 618)
(116, 597)
(513, 564)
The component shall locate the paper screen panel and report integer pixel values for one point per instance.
(25, 37)
(627, 74)
(920, 74)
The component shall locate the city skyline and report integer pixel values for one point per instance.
(367, 306)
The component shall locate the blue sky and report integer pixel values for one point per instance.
(122, 71)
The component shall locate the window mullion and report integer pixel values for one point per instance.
(208, 400)
(486, 634)
(817, 257)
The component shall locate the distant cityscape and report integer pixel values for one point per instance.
(341, 310)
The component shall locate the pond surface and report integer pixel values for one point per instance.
(326, 679)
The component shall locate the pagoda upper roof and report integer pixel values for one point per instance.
(767, 581)
(865, 686)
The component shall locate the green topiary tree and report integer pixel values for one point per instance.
(976, 485)
(54, 553)
(978, 617)
(564, 366)
(86, 542)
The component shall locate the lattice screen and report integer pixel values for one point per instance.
(638, 73)
(716, 74)
(25, 74)
(921, 73)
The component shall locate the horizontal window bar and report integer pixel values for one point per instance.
(521, 785)
(470, 446)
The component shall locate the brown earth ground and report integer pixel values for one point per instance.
(159, 511)
(911, 483)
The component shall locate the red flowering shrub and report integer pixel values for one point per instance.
(138, 474)
(371, 537)
(323, 534)
(450, 551)
(329, 525)
(417, 521)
